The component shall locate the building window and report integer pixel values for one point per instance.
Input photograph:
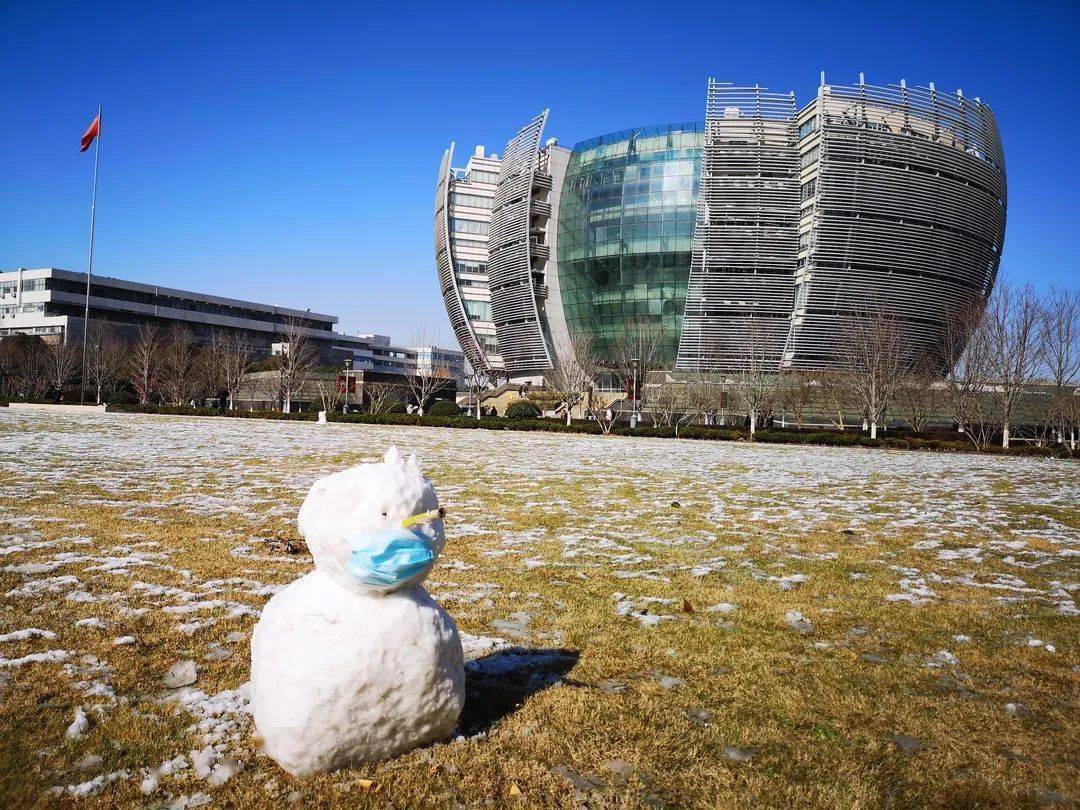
(810, 155)
(476, 176)
(33, 285)
(473, 244)
(469, 226)
(808, 126)
(478, 310)
(471, 200)
(809, 188)
(478, 268)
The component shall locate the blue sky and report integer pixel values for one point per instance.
(287, 153)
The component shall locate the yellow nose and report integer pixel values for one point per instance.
(423, 517)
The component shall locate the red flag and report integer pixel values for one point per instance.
(91, 132)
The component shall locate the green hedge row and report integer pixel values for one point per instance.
(443, 407)
(183, 410)
(485, 423)
(700, 432)
(855, 439)
(522, 409)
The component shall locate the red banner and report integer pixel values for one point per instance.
(92, 132)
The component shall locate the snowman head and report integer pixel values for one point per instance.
(374, 527)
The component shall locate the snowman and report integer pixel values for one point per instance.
(355, 662)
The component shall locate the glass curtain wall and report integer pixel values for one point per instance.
(626, 224)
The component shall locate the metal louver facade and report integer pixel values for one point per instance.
(908, 214)
(742, 274)
(444, 262)
(513, 253)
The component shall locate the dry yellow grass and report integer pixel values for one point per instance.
(704, 709)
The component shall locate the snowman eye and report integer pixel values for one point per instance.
(384, 514)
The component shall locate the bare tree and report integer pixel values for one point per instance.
(755, 383)
(22, 365)
(381, 396)
(9, 364)
(874, 361)
(967, 383)
(179, 364)
(330, 394)
(233, 358)
(919, 397)
(836, 397)
(428, 379)
(799, 392)
(62, 361)
(210, 363)
(477, 382)
(294, 361)
(1012, 318)
(146, 361)
(106, 358)
(573, 376)
(638, 350)
(1071, 419)
(665, 401)
(678, 403)
(1059, 360)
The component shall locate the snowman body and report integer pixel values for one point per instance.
(355, 662)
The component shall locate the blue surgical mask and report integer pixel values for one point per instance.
(390, 557)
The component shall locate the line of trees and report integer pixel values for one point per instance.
(174, 366)
(1009, 370)
(153, 366)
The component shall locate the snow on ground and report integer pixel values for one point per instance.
(983, 523)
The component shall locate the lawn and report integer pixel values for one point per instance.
(650, 622)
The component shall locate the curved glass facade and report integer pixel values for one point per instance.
(626, 224)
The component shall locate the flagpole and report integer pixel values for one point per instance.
(90, 260)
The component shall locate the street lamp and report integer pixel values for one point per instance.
(634, 394)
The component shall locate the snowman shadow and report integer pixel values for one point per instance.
(497, 684)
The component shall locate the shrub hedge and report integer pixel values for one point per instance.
(443, 407)
(851, 438)
(183, 410)
(522, 409)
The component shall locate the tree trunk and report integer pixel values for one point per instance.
(568, 413)
(873, 430)
(1005, 435)
(753, 422)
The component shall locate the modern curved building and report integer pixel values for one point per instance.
(764, 229)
